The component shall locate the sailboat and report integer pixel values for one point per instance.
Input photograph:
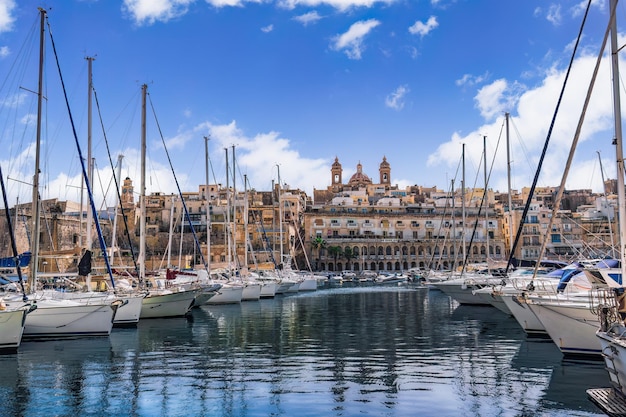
(572, 321)
(56, 318)
(611, 333)
(89, 288)
(160, 302)
(462, 287)
(12, 318)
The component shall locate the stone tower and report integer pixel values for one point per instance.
(128, 199)
(336, 172)
(385, 172)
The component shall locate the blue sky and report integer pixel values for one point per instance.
(296, 83)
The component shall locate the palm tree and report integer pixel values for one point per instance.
(317, 244)
(349, 254)
(335, 251)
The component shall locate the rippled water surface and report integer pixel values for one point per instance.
(371, 351)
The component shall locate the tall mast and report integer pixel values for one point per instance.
(170, 234)
(208, 205)
(486, 201)
(235, 257)
(508, 171)
(113, 238)
(142, 190)
(280, 215)
(227, 227)
(606, 202)
(35, 204)
(463, 250)
(88, 242)
(621, 197)
(245, 223)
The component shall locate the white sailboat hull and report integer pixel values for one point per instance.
(308, 284)
(167, 304)
(251, 292)
(129, 312)
(12, 328)
(228, 294)
(67, 319)
(488, 296)
(268, 289)
(613, 348)
(524, 315)
(572, 326)
(460, 291)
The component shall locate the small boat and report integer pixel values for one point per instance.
(396, 278)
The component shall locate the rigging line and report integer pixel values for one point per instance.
(521, 143)
(87, 182)
(443, 215)
(545, 147)
(16, 256)
(483, 202)
(117, 185)
(570, 157)
(182, 200)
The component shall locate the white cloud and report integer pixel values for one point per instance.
(468, 80)
(531, 115)
(351, 42)
(395, 100)
(497, 98)
(422, 29)
(151, 11)
(13, 101)
(267, 29)
(342, 5)
(579, 8)
(308, 18)
(6, 15)
(554, 14)
(4, 51)
(258, 155)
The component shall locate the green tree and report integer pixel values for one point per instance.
(349, 254)
(335, 252)
(317, 244)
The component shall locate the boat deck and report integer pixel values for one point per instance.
(609, 401)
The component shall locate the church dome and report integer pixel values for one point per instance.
(359, 177)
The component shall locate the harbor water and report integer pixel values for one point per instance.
(360, 351)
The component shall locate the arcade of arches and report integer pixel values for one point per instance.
(394, 257)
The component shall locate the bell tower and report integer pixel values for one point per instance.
(385, 172)
(336, 172)
(128, 198)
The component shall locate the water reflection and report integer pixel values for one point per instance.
(360, 351)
